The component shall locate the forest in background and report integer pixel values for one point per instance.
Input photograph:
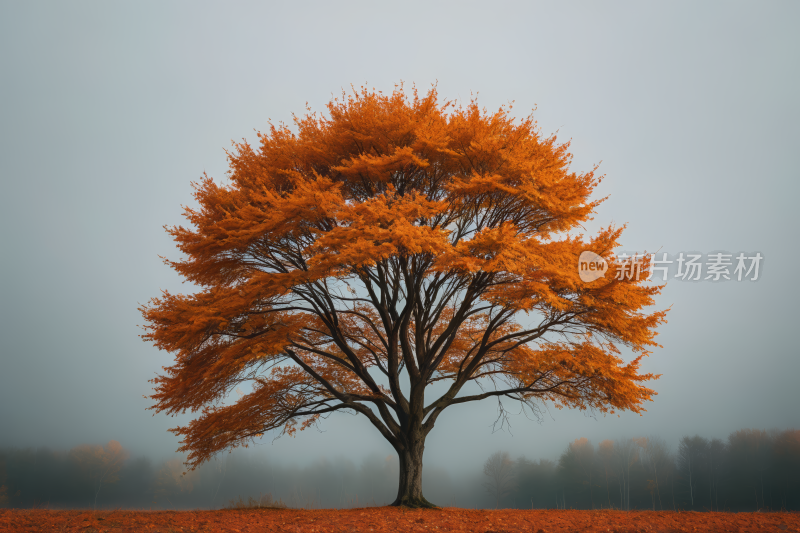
(752, 470)
(749, 471)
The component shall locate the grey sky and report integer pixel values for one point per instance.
(108, 110)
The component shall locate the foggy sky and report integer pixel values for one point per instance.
(109, 110)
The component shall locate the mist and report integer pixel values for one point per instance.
(58, 479)
(751, 470)
(110, 110)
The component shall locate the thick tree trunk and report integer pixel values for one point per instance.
(409, 491)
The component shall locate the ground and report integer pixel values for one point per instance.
(391, 519)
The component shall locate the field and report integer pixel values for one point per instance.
(389, 519)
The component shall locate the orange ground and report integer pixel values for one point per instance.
(388, 519)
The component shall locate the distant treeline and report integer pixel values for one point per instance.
(753, 470)
(104, 477)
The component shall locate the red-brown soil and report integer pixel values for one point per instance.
(394, 520)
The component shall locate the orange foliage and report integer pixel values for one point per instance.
(388, 519)
(398, 234)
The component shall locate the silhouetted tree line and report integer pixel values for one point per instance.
(752, 470)
(103, 477)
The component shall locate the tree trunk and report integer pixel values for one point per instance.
(409, 491)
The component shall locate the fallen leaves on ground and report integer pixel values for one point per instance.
(392, 519)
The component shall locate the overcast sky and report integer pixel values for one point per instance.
(109, 110)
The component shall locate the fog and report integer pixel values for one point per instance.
(751, 470)
(54, 479)
(110, 110)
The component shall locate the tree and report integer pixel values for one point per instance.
(692, 455)
(499, 468)
(395, 243)
(655, 457)
(171, 480)
(786, 460)
(576, 467)
(99, 464)
(3, 488)
(716, 452)
(625, 454)
(749, 451)
(535, 484)
(605, 455)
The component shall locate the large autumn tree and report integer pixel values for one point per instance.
(395, 242)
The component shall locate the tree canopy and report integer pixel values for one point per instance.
(394, 242)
